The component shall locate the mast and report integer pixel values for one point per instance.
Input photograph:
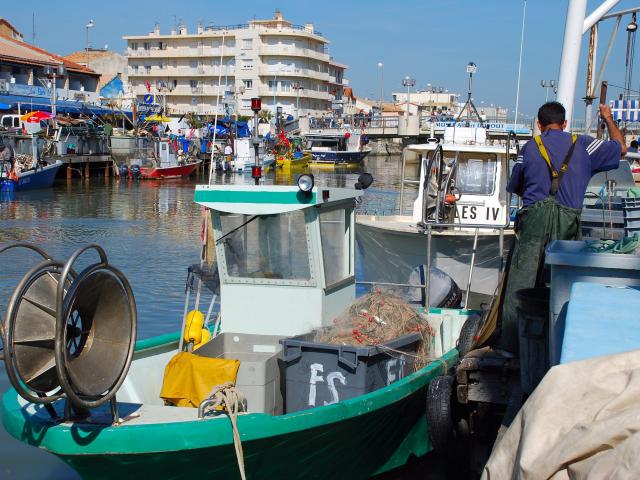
(576, 24)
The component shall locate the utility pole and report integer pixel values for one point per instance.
(408, 82)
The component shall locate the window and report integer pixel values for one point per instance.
(273, 84)
(285, 86)
(146, 45)
(162, 45)
(193, 64)
(247, 43)
(247, 64)
(147, 69)
(334, 236)
(248, 84)
(270, 247)
(476, 173)
(134, 46)
(193, 83)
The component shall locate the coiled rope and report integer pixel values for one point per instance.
(228, 398)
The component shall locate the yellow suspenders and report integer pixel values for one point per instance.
(545, 155)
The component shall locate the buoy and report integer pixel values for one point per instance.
(206, 336)
(193, 327)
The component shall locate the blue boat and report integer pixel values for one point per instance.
(39, 177)
(42, 177)
(348, 148)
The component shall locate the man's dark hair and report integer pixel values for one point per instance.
(634, 144)
(551, 112)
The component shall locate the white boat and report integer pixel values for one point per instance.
(461, 195)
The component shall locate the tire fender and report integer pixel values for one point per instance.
(439, 412)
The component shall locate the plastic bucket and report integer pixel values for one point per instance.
(533, 315)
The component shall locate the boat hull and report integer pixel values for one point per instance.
(383, 243)
(169, 172)
(42, 178)
(356, 438)
(338, 158)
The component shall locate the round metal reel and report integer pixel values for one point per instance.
(95, 338)
(28, 333)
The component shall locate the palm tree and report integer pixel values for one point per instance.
(265, 116)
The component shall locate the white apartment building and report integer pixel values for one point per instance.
(285, 65)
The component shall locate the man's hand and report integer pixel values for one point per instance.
(614, 132)
(605, 112)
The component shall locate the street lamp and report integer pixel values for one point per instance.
(381, 67)
(89, 25)
(548, 84)
(408, 82)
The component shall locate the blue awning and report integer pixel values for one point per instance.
(62, 106)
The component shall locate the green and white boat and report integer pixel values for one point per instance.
(285, 260)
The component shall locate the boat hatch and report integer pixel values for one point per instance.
(286, 259)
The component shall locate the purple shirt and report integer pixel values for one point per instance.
(531, 178)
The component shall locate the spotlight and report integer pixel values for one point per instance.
(305, 183)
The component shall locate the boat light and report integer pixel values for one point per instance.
(364, 181)
(256, 104)
(256, 171)
(347, 135)
(305, 183)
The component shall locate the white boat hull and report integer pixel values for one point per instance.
(392, 246)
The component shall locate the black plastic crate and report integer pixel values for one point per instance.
(317, 374)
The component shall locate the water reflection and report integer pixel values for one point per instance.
(150, 230)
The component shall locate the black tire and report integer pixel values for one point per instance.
(439, 414)
(468, 334)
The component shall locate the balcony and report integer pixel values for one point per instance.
(291, 51)
(304, 93)
(204, 51)
(204, 70)
(294, 72)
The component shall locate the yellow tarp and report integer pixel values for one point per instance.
(189, 378)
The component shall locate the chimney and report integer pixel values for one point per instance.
(182, 29)
(156, 29)
(200, 28)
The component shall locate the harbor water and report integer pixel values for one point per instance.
(150, 230)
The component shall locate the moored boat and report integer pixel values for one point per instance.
(337, 149)
(163, 161)
(463, 203)
(285, 266)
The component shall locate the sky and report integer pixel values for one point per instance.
(429, 40)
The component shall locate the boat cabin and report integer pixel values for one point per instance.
(285, 257)
(463, 180)
(338, 142)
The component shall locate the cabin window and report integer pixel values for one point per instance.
(335, 238)
(476, 173)
(271, 247)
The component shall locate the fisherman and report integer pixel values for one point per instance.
(228, 156)
(551, 175)
(7, 160)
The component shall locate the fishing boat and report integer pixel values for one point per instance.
(164, 160)
(348, 147)
(31, 171)
(284, 266)
(461, 201)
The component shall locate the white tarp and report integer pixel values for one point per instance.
(581, 422)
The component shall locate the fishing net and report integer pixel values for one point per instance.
(376, 318)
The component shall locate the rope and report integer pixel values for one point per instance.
(229, 399)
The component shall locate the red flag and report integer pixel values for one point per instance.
(148, 85)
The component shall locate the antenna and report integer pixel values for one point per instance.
(33, 28)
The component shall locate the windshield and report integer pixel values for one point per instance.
(476, 173)
(271, 247)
